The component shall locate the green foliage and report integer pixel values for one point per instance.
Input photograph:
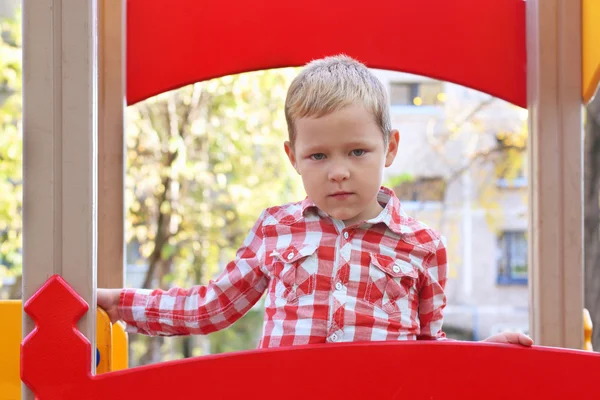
(11, 149)
(510, 163)
(397, 180)
(202, 162)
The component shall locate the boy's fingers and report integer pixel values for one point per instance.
(525, 340)
(511, 338)
(518, 338)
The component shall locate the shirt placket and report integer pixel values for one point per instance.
(338, 299)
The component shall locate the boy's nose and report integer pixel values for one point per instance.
(339, 173)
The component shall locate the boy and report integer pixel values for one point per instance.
(346, 263)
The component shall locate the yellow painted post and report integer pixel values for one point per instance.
(590, 48)
(120, 355)
(10, 339)
(103, 342)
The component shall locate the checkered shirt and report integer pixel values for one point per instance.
(379, 280)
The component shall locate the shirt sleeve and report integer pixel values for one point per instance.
(201, 309)
(432, 298)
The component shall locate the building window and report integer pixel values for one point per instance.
(417, 93)
(512, 258)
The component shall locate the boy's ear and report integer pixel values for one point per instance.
(392, 148)
(291, 155)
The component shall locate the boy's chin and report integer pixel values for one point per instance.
(341, 215)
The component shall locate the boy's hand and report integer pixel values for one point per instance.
(510, 338)
(108, 300)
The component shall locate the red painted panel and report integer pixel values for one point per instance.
(55, 365)
(475, 43)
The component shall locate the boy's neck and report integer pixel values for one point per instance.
(373, 212)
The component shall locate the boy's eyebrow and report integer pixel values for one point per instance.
(353, 144)
(358, 143)
(312, 149)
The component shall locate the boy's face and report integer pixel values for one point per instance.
(341, 158)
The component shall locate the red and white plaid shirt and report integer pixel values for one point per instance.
(380, 280)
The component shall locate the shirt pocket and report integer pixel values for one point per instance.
(294, 271)
(391, 283)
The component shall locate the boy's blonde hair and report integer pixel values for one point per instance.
(332, 83)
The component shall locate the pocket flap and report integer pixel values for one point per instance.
(394, 267)
(294, 252)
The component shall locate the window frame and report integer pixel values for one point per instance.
(506, 278)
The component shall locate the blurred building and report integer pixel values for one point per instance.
(447, 175)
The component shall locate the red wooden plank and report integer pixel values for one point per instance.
(55, 365)
(475, 43)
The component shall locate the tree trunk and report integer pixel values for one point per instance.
(592, 216)
(187, 347)
(153, 354)
(161, 239)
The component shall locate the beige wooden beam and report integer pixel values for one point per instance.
(59, 132)
(111, 144)
(555, 167)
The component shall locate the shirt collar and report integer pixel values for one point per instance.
(391, 215)
(307, 204)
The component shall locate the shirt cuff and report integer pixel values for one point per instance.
(132, 309)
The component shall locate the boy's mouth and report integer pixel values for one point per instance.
(340, 195)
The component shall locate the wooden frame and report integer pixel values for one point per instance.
(111, 143)
(60, 102)
(555, 167)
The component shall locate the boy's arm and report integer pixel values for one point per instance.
(432, 298)
(200, 309)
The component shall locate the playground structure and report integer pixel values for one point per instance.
(85, 60)
(111, 347)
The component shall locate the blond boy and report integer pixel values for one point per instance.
(346, 263)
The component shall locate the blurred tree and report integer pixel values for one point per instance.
(468, 144)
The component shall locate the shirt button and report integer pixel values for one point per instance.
(346, 235)
(291, 255)
(396, 268)
(334, 337)
(339, 286)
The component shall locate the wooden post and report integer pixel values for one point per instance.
(111, 144)
(60, 149)
(555, 168)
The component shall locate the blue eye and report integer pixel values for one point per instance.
(318, 156)
(358, 153)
